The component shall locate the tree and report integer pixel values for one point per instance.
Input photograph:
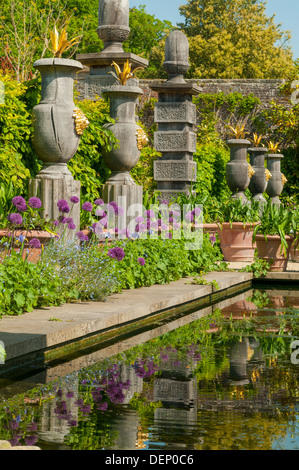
(234, 39)
(24, 27)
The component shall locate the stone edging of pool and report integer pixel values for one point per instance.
(49, 334)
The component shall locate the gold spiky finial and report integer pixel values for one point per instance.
(126, 74)
(238, 132)
(256, 140)
(272, 147)
(60, 43)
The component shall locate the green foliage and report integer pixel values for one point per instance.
(234, 210)
(88, 165)
(25, 286)
(275, 220)
(234, 39)
(259, 268)
(211, 159)
(165, 261)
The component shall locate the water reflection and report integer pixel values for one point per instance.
(220, 379)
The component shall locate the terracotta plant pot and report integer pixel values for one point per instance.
(33, 254)
(294, 253)
(270, 251)
(236, 241)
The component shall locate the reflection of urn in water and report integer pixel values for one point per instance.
(131, 137)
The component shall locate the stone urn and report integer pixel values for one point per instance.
(57, 121)
(259, 179)
(276, 183)
(58, 126)
(131, 137)
(237, 169)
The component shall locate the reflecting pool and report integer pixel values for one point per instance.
(224, 378)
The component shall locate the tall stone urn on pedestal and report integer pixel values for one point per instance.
(121, 187)
(237, 169)
(259, 180)
(277, 181)
(58, 125)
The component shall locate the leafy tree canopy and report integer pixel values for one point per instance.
(234, 39)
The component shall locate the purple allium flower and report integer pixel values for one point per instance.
(61, 202)
(100, 213)
(18, 201)
(87, 206)
(35, 203)
(189, 216)
(149, 213)
(63, 206)
(196, 211)
(116, 253)
(15, 218)
(104, 222)
(99, 202)
(34, 243)
(74, 199)
(141, 261)
(56, 223)
(81, 236)
(22, 208)
(69, 220)
(212, 239)
(71, 226)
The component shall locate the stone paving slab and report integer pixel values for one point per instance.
(50, 327)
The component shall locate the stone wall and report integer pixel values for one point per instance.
(265, 90)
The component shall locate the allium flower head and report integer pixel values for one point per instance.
(99, 202)
(141, 261)
(34, 243)
(74, 199)
(63, 206)
(81, 236)
(18, 201)
(15, 218)
(35, 203)
(87, 206)
(71, 226)
(116, 253)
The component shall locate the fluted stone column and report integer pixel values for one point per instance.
(175, 115)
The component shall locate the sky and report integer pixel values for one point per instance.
(286, 13)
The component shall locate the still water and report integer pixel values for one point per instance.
(223, 378)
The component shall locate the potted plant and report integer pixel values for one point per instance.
(274, 236)
(235, 229)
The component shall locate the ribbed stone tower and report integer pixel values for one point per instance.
(113, 29)
(175, 115)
